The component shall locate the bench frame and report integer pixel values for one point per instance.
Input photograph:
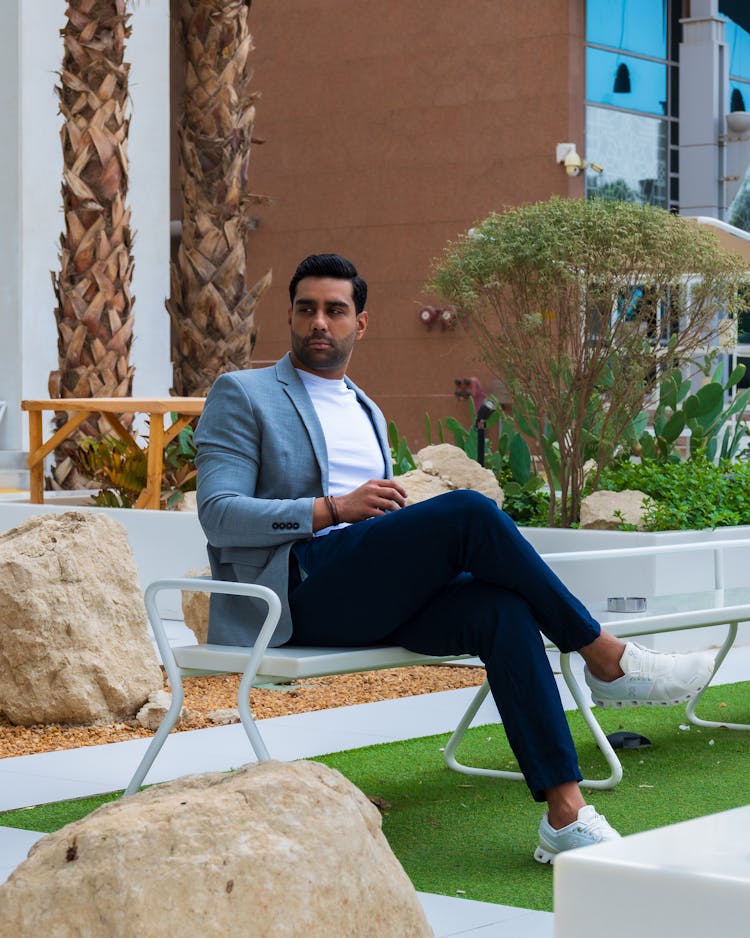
(260, 664)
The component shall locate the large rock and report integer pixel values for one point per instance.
(277, 849)
(195, 608)
(444, 468)
(608, 511)
(74, 647)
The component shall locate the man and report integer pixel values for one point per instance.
(295, 491)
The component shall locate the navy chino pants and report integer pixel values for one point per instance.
(453, 575)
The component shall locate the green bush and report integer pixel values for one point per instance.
(120, 469)
(686, 495)
(573, 303)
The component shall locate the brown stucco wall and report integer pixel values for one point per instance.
(389, 129)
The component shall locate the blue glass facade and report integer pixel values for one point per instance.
(631, 101)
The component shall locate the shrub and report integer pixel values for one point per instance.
(119, 468)
(686, 495)
(575, 306)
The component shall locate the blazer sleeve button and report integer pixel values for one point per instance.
(275, 525)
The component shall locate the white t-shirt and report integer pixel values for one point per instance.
(354, 454)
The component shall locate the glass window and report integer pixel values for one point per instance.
(633, 151)
(745, 380)
(739, 210)
(743, 319)
(634, 25)
(623, 81)
(738, 43)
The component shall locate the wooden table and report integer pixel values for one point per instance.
(81, 408)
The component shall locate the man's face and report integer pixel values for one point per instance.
(324, 326)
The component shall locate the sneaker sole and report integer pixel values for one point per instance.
(544, 856)
(611, 704)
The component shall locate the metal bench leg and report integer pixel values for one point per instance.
(597, 732)
(583, 705)
(246, 717)
(692, 704)
(165, 727)
(174, 673)
(458, 734)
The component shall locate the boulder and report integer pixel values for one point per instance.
(225, 716)
(443, 467)
(274, 849)
(195, 608)
(74, 644)
(188, 502)
(420, 485)
(598, 510)
(155, 709)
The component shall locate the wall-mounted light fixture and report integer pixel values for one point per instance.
(567, 155)
(738, 122)
(445, 315)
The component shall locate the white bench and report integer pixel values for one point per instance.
(260, 664)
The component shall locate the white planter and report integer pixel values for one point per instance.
(647, 576)
(165, 543)
(170, 543)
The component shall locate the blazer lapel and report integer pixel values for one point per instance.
(379, 425)
(295, 390)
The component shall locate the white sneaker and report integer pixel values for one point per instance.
(589, 828)
(653, 679)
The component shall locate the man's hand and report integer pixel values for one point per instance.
(374, 498)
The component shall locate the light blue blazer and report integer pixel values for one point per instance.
(262, 461)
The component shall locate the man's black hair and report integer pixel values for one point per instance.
(331, 265)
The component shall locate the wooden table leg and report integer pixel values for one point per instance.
(151, 497)
(36, 468)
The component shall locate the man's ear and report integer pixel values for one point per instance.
(361, 324)
(289, 316)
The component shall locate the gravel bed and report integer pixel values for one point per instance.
(204, 695)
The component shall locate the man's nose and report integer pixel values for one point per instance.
(319, 321)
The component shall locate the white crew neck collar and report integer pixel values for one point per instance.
(310, 379)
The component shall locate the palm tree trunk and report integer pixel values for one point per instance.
(95, 307)
(211, 307)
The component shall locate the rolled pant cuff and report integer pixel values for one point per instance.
(540, 784)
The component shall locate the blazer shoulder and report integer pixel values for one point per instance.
(251, 378)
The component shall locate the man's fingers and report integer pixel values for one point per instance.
(395, 492)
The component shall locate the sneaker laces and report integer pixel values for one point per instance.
(642, 662)
(590, 822)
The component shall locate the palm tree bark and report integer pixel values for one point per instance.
(211, 307)
(95, 306)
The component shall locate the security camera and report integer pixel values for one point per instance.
(566, 156)
(573, 163)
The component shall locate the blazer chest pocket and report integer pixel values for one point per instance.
(251, 556)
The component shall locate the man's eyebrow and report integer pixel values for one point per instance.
(302, 300)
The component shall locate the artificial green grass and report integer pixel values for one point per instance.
(474, 837)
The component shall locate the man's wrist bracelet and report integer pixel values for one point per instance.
(332, 509)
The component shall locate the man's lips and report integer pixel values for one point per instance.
(318, 343)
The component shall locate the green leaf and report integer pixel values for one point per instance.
(392, 435)
(705, 400)
(648, 448)
(551, 458)
(673, 427)
(519, 459)
(736, 376)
